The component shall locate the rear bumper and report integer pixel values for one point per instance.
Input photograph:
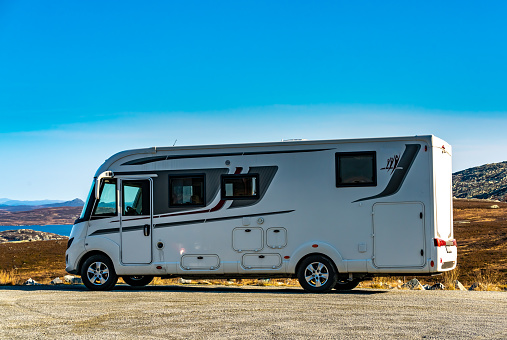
(447, 257)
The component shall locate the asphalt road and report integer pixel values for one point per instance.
(215, 312)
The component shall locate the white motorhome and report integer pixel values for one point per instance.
(330, 212)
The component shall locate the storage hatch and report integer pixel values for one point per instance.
(398, 239)
(276, 238)
(247, 239)
(253, 261)
(209, 262)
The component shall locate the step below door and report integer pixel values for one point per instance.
(398, 239)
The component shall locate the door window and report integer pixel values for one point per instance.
(135, 198)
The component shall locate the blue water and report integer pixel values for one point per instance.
(63, 230)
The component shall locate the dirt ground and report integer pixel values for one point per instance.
(185, 312)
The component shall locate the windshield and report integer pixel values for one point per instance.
(88, 198)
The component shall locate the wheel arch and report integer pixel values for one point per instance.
(322, 249)
(89, 254)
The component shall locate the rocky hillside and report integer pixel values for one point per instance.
(28, 235)
(487, 181)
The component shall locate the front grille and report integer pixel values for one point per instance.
(448, 264)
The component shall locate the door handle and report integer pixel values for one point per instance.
(146, 230)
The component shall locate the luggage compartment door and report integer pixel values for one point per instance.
(398, 234)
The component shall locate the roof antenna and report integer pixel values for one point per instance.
(175, 142)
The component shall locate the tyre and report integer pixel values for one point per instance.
(137, 281)
(98, 273)
(346, 284)
(317, 274)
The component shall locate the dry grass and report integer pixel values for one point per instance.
(449, 278)
(481, 233)
(8, 278)
(489, 279)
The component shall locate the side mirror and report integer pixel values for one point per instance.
(98, 182)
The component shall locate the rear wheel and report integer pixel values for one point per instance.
(98, 273)
(317, 274)
(137, 280)
(346, 284)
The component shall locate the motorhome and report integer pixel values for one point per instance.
(329, 212)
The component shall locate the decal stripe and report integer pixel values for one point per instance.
(105, 231)
(217, 219)
(394, 185)
(147, 160)
(218, 206)
(176, 224)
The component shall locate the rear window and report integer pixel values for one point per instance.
(356, 169)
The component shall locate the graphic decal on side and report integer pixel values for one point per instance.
(400, 172)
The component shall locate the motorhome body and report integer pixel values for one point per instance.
(331, 212)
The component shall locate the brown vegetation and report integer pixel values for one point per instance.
(481, 232)
(44, 216)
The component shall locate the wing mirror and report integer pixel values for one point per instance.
(98, 182)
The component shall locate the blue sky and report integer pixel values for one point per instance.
(80, 81)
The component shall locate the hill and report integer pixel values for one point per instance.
(41, 216)
(487, 181)
(9, 202)
(14, 206)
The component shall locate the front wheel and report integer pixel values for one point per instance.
(137, 281)
(98, 273)
(317, 274)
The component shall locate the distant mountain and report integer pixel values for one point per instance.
(12, 208)
(6, 201)
(76, 202)
(487, 181)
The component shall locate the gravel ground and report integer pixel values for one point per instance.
(213, 312)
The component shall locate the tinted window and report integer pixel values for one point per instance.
(355, 169)
(240, 186)
(186, 190)
(136, 198)
(106, 206)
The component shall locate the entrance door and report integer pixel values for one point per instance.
(136, 221)
(398, 239)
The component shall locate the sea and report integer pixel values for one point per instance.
(61, 229)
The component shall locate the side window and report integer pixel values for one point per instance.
(240, 186)
(356, 169)
(136, 198)
(186, 191)
(106, 205)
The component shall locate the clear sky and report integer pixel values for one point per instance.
(82, 80)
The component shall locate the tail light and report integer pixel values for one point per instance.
(439, 242)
